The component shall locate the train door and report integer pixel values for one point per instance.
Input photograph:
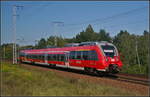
(67, 59)
(46, 58)
(78, 61)
(75, 59)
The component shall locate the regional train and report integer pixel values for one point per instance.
(94, 57)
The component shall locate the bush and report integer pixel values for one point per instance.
(135, 69)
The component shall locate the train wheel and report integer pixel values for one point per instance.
(100, 73)
(90, 71)
(32, 63)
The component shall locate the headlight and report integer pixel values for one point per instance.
(117, 59)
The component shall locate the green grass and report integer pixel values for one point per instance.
(20, 81)
(135, 69)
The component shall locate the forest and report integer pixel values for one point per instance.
(133, 49)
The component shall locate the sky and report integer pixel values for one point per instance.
(35, 20)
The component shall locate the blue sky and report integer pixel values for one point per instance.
(36, 17)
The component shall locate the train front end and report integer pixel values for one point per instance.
(111, 58)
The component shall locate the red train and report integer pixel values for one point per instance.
(95, 57)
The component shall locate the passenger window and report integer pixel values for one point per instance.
(37, 56)
(42, 57)
(78, 55)
(54, 57)
(72, 55)
(49, 57)
(93, 55)
(62, 57)
(58, 57)
(85, 55)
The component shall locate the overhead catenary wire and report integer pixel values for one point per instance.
(110, 26)
(113, 17)
(109, 17)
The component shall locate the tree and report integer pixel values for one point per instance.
(87, 35)
(143, 47)
(60, 41)
(126, 46)
(42, 43)
(103, 36)
(51, 41)
(7, 50)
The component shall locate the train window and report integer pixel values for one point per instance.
(39, 57)
(54, 57)
(21, 54)
(49, 57)
(42, 57)
(36, 56)
(72, 55)
(32, 56)
(78, 55)
(93, 55)
(109, 50)
(28, 56)
(85, 55)
(62, 57)
(58, 57)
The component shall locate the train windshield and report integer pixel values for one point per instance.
(109, 50)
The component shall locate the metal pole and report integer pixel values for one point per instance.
(14, 34)
(4, 52)
(55, 31)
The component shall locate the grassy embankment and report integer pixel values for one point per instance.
(17, 80)
(135, 69)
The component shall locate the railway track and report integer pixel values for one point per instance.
(132, 79)
(142, 82)
(119, 77)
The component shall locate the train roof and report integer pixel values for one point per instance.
(81, 46)
(63, 49)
